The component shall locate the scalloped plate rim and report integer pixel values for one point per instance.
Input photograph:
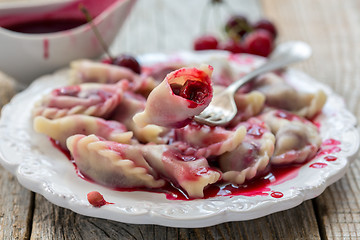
(152, 215)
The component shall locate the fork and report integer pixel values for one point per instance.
(222, 108)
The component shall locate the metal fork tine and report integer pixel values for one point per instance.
(206, 115)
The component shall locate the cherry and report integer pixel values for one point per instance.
(96, 199)
(233, 46)
(206, 42)
(237, 26)
(259, 42)
(195, 91)
(127, 61)
(266, 25)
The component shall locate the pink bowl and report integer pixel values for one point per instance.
(26, 56)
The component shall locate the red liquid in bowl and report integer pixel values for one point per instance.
(46, 26)
(64, 18)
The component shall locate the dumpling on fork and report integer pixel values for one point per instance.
(183, 94)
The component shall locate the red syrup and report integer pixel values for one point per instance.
(46, 48)
(256, 131)
(330, 158)
(330, 141)
(330, 150)
(318, 165)
(56, 145)
(277, 194)
(328, 147)
(316, 124)
(46, 26)
(257, 187)
(286, 115)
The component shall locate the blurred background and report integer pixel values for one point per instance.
(174, 25)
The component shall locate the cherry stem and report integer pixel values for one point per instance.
(89, 19)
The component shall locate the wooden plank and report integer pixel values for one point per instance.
(52, 222)
(16, 205)
(333, 32)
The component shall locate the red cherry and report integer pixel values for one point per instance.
(206, 42)
(259, 42)
(233, 46)
(129, 62)
(195, 91)
(237, 26)
(96, 199)
(266, 25)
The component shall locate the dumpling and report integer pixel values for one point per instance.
(297, 139)
(61, 128)
(281, 95)
(92, 99)
(248, 105)
(190, 173)
(223, 74)
(131, 104)
(252, 156)
(159, 71)
(183, 94)
(84, 71)
(112, 164)
(209, 141)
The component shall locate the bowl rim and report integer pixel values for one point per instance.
(22, 4)
(73, 31)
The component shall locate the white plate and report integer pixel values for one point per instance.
(43, 169)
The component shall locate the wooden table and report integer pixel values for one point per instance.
(331, 27)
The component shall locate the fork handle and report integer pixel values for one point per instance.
(283, 55)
